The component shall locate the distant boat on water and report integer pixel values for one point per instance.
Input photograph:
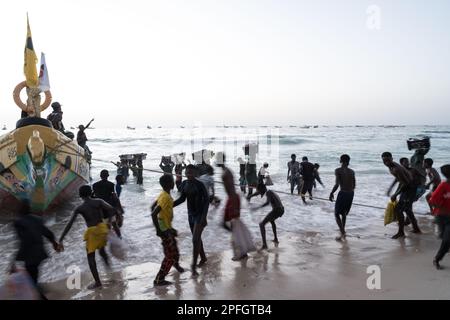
(130, 128)
(315, 127)
(181, 127)
(149, 127)
(304, 127)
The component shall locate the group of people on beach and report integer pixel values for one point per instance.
(103, 212)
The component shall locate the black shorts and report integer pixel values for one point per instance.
(343, 203)
(307, 186)
(274, 214)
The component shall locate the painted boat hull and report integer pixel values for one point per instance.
(47, 183)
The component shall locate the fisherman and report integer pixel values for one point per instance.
(30, 229)
(197, 198)
(293, 174)
(242, 180)
(208, 180)
(105, 190)
(307, 173)
(166, 164)
(56, 117)
(277, 211)
(317, 176)
(407, 192)
(82, 139)
(261, 186)
(179, 167)
(92, 210)
(162, 216)
(120, 181)
(345, 180)
(434, 178)
(250, 175)
(440, 202)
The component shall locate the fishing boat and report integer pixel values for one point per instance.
(131, 128)
(37, 162)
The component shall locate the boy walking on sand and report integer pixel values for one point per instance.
(162, 216)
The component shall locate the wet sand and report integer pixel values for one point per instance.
(308, 265)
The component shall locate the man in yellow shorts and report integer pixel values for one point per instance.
(92, 210)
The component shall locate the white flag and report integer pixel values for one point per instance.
(44, 82)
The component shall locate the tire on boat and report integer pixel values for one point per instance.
(28, 121)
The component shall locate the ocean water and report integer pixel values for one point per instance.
(323, 145)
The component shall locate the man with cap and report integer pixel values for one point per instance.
(56, 117)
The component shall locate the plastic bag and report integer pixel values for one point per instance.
(269, 181)
(242, 237)
(116, 246)
(19, 286)
(389, 213)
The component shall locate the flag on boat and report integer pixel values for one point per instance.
(29, 67)
(44, 81)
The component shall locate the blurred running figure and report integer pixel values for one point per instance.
(345, 179)
(407, 192)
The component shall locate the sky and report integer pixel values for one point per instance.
(234, 62)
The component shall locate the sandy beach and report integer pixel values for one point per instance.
(303, 266)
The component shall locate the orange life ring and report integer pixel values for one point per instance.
(23, 106)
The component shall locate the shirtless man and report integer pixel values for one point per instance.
(433, 176)
(96, 234)
(293, 174)
(407, 192)
(277, 211)
(345, 179)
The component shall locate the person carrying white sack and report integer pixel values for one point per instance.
(242, 241)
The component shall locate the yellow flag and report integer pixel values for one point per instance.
(29, 67)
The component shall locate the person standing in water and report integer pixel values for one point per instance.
(197, 198)
(317, 176)
(261, 186)
(440, 203)
(162, 216)
(433, 176)
(92, 210)
(277, 211)
(307, 173)
(293, 174)
(179, 167)
(242, 180)
(345, 180)
(407, 192)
